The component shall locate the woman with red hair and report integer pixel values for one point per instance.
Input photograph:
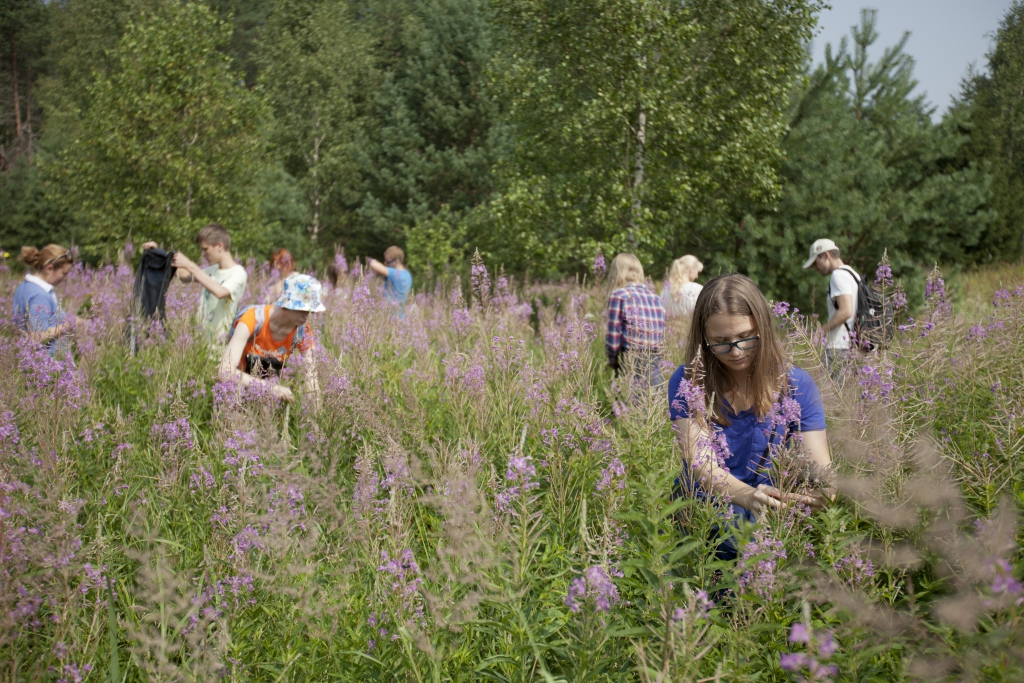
(281, 266)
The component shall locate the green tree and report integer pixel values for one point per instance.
(991, 111)
(24, 34)
(638, 119)
(315, 66)
(865, 166)
(170, 140)
(436, 128)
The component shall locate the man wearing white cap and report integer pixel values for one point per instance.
(842, 302)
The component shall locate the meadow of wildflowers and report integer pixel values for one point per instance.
(475, 499)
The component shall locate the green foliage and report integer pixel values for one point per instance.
(24, 38)
(991, 111)
(436, 128)
(636, 121)
(315, 66)
(171, 140)
(28, 217)
(865, 166)
(436, 243)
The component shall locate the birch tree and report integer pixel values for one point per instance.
(639, 118)
(170, 140)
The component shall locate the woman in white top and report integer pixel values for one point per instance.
(680, 292)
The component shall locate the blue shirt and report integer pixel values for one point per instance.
(747, 436)
(37, 310)
(397, 285)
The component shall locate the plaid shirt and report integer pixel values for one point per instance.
(636, 320)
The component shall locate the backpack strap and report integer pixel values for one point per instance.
(856, 278)
(260, 314)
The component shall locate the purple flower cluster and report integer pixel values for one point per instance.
(480, 280)
(241, 451)
(519, 477)
(1004, 581)
(759, 563)
(883, 276)
(174, 435)
(600, 267)
(819, 649)
(855, 570)
(612, 477)
(403, 577)
(780, 309)
(53, 376)
(595, 585)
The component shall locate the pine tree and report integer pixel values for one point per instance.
(866, 167)
(991, 108)
(435, 129)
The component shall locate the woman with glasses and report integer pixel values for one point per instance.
(37, 310)
(737, 400)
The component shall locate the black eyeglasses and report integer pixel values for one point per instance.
(741, 344)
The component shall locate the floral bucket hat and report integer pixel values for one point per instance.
(301, 293)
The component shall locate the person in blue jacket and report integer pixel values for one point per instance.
(736, 398)
(37, 311)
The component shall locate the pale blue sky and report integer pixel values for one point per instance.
(945, 36)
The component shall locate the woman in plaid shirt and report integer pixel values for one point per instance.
(636, 322)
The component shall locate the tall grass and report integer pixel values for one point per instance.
(476, 499)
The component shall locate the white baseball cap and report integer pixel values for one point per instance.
(820, 247)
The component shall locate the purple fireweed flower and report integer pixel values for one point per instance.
(854, 569)
(792, 661)
(976, 333)
(173, 434)
(883, 276)
(799, 634)
(758, 575)
(595, 585)
(480, 281)
(1004, 581)
(780, 309)
(1001, 298)
(689, 397)
(600, 266)
(899, 300)
(613, 476)
(826, 646)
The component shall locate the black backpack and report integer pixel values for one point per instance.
(874, 324)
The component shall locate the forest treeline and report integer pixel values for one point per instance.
(540, 132)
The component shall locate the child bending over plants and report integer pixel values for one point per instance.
(264, 337)
(737, 400)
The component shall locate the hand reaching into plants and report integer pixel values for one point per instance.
(764, 497)
(283, 393)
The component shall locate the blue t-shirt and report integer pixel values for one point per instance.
(397, 285)
(747, 436)
(37, 310)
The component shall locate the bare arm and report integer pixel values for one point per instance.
(50, 333)
(844, 311)
(233, 356)
(816, 447)
(189, 271)
(378, 267)
(697, 454)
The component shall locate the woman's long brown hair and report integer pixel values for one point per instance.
(735, 295)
